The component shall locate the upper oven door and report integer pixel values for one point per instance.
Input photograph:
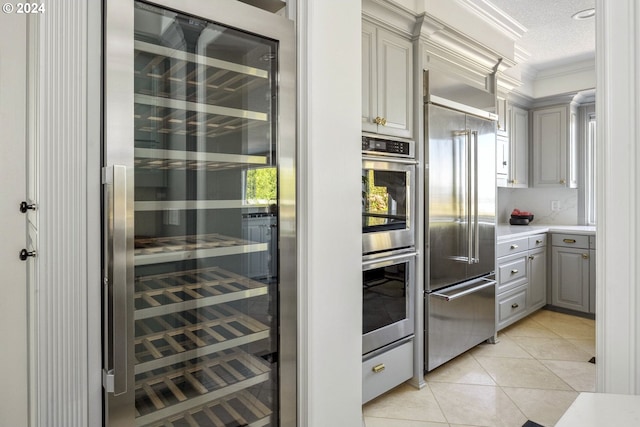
(387, 204)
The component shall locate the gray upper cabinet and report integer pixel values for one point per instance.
(554, 147)
(387, 82)
(512, 146)
(502, 110)
(519, 148)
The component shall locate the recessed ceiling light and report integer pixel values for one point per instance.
(584, 14)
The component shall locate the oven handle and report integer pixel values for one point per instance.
(452, 297)
(390, 160)
(369, 262)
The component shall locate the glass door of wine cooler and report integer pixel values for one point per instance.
(199, 202)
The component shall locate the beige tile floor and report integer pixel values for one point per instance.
(534, 372)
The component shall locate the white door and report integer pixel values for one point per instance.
(13, 286)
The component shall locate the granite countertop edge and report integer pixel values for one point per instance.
(506, 231)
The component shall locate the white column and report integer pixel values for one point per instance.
(618, 192)
(65, 134)
(330, 294)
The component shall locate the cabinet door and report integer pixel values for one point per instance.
(570, 278)
(502, 160)
(395, 84)
(369, 78)
(537, 296)
(502, 110)
(519, 148)
(549, 147)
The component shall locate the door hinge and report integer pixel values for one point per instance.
(108, 381)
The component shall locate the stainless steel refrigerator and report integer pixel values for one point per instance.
(460, 216)
(199, 215)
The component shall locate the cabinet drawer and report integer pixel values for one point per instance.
(386, 370)
(512, 306)
(538, 241)
(512, 272)
(570, 240)
(512, 246)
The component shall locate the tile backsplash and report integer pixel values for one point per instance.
(538, 202)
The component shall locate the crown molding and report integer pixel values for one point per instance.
(390, 15)
(460, 46)
(495, 17)
(588, 65)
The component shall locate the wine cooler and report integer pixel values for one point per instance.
(199, 215)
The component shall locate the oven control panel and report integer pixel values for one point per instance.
(387, 147)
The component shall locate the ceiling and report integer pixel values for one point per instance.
(553, 38)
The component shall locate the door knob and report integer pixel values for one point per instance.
(24, 207)
(24, 254)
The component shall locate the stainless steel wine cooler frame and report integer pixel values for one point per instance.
(118, 180)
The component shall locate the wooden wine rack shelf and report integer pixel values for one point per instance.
(147, 158)
(166, 249)
(182, 93)
(169, 293)
(241, 409)
(220, 79)
(183, 390)
(164, 340)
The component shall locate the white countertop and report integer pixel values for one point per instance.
(602, 409)
(506, 231)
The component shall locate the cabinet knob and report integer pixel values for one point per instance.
(504, 163)
(514, 246)
(378, 368)
(538, 242)
(531, 257)
(515, 305)
(380, 121)
(569, 240)
(514, 271)
(562, 181)
(585, 256)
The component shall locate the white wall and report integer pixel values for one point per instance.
(538, 202)
(330, 274)
(13, 289)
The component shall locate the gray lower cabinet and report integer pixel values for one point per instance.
(537, 290)
(382, 371)
(571, 272)
(522, 278)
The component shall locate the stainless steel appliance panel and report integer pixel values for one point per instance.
(388, 307)
(483, 139)
(458, 318)
(461, 194)
(448, 192)
(387, 204)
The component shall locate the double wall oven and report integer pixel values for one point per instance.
(388, 180)
(389, 262)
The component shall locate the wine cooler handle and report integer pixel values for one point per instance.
(115, 374)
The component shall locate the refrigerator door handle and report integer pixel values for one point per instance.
(469, 194)
(476, 226)
(115, 281)
(464, 290)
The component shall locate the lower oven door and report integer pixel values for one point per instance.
(458, 318)
(388, 295)
(387, 204)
